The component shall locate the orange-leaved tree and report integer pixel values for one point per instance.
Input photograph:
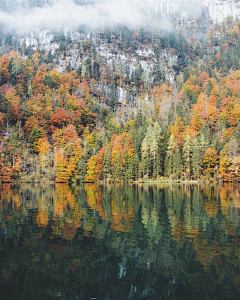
(62, 167)
(92, 172)
(210, 159)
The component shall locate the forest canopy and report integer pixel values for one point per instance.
(70, 126)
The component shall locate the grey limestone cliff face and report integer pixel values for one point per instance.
(217, 9)
(220, 9)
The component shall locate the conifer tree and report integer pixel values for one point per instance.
(172, 144)
(197, 156)
(177, 163)
(112, 95)
(146, 160)
(118, 171)
(187, 152)
(106, 163)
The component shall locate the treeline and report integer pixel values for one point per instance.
(60, 127)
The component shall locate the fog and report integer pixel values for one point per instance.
(55, 14)
(66, 13)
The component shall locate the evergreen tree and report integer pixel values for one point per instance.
(159, 73)
(197, 157)
(112, 95)
(106, 164)
(83, 69)
(187, 150)
(177, 163)
(146, 159)
(209, 87)
(5, 107)
(172, 144)
(118, 171)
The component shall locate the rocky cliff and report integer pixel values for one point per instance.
(217, 9)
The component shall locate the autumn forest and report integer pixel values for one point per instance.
(66, 127)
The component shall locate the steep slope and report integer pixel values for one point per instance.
(220, 9)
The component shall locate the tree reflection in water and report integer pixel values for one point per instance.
(119, 242)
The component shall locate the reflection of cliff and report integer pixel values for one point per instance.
(164, 240)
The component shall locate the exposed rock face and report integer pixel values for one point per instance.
(220, 9)
(217, 9)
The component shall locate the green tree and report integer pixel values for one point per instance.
(187, 152)
(112, 95)
(172, 144)
(197, 159)
(177, 163)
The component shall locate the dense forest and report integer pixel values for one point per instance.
(66, 127)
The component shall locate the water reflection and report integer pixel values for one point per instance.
(119, 242)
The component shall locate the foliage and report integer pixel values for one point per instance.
(70, 126)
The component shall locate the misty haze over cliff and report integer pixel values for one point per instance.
(62, 13)
(28, 15)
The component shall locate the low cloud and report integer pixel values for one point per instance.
(66, 13)
(57, 14)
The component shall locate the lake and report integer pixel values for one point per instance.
(119, 242)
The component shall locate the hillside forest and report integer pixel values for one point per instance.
(66, 127)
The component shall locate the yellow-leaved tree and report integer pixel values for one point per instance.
(62, 167)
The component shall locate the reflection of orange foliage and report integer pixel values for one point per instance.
(177, 233)
(216, 260)
(215, 249)
(120, 218)
(229, 196)
(230, 230)
(204, 257)
(6, 193)
(224, 200)
(94, 198)
(67, 208)
(91, 190)
(58, 250)
(197, 239)
(69, 231)
(42, 218)
(211, 207)
(58, 207)
(17, 201)
(193, 233)
(117, 224)
(64, 197)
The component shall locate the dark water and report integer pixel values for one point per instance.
(119, 242)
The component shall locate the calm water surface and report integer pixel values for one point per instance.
(119, 242)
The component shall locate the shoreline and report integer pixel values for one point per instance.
(183, 182)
